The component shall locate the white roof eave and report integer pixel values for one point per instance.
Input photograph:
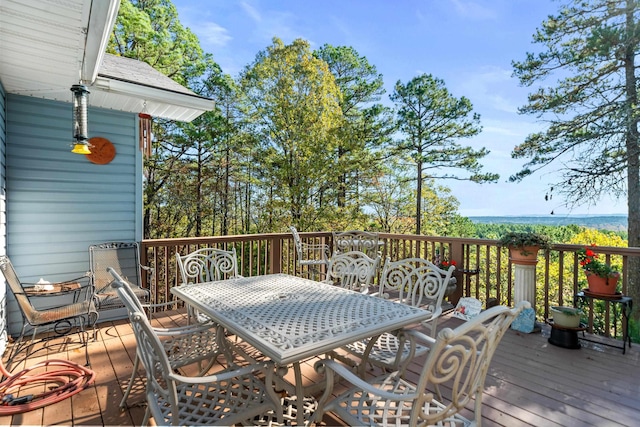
(136, 98)
(101, 21)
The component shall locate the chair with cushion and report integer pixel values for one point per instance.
(412, 281)
(354, 240)
(235, 395)
(353, 270)
(184, 345)
(313, 256)
(458, 361)
(124, 258)
(79, 310)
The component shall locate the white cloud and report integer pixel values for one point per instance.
(251, 11)
(215, 35)
(493, 87)
(471, 9)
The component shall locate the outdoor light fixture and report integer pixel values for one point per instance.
(81, 140)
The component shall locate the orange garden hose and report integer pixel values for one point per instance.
(61, 379)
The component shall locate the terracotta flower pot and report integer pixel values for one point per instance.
(602, 285)
(527, 255)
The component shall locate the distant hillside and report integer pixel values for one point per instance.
(599, 222)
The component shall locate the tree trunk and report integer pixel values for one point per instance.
(633, 160)
(199, 194)
(419, 200)
(225, 194)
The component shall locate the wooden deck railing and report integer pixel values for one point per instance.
(484, 270)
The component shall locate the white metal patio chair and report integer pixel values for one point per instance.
(459, 358)
(412, 281)
(124, 258)
(232, 396)
(355, 240)
(206, 265)
(314, 256)
(183, 345)
(79, 310)
(353, 270)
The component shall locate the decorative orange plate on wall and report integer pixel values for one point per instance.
(102, 151)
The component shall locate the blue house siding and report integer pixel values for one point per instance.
(58, 202)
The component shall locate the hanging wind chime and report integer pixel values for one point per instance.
(145, 132)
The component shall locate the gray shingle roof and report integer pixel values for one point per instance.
(138, 72)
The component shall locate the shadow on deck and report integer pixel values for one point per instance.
(530, 382)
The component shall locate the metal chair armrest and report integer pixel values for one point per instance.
(419, 336)
(183, 330)
(333, 369)
(265, 368)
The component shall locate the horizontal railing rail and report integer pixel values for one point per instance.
(483, 271)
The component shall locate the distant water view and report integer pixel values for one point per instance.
(599, 222)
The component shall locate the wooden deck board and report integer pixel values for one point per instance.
(530, 382)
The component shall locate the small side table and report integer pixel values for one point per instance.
(626, 305)
(564, 337)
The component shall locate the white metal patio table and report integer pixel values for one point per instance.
(290, 319)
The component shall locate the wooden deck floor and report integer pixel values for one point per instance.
(530, 383)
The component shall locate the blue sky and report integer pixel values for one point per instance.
(470, 44)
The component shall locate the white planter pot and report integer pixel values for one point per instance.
(566, 317)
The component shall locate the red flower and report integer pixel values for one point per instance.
(445, 263)
(588, 259)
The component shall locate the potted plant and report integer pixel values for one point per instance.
(443, 264)
(566, 317)
(602, 277)
(524, 246)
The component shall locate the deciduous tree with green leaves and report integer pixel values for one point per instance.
(150, 31)
(367, 125)
(432, 121)
(590, 104)
(293, 105)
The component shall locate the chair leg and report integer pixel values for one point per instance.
(147, 415)
(17, 346)
(123, 402)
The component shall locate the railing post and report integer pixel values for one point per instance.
(275, 255)
(457, 254)
(144, 260)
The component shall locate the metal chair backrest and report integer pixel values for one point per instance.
(123, 257)
(417, 282)
(297, 242)
(459, 360)
(311, 254)
(353, 240)
(353, 270)
(119, 282)
(150, 349)
(15, 285)
(208, 264)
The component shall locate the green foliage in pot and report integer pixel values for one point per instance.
(522, 240)
(568, 317)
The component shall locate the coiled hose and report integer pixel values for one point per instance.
(61, 379)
